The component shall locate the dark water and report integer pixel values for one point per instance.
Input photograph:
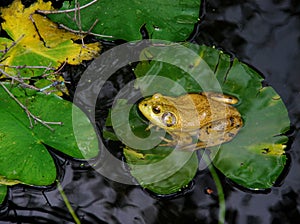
(264, 34)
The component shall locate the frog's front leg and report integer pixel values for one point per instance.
(150, 126)
(222, 98)
(181, 139)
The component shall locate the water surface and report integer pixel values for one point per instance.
(263, 34)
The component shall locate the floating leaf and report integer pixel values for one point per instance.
(23, 155)
(255, 157)
(167, 20)
(160, 173)
(36, 41)
(162, 170)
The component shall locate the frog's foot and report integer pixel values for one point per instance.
(169, 142)
(149, 127)
(185, 140)
(193, 147)
(222, 98)
(182, 145)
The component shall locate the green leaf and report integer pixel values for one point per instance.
(255, 157)
(23, 155)
(161, 170)
(177, 77)
(3, 192)
(166, 20)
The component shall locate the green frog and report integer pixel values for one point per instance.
(209, 117)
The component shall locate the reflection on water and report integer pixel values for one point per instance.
(265, 35)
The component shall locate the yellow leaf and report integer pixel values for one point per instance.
(5, 181)
(36, 41)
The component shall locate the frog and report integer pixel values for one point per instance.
(210, 118)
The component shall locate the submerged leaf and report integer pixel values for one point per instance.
(36, 41)
(167, 20)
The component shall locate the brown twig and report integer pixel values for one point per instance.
(77, 19)
(20, 80)
(85, 32)
(60, 68)
(78, 22)
(29, 114)
(77, 12)
(46, 12)
(11, 46)
(93, 25)
(27, 66)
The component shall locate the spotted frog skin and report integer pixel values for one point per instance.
(208, 116)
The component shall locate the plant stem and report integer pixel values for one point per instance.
(222, 204)
(69, 207)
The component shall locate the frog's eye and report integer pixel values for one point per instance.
(157, 96)
(169, 119)
(156, 109)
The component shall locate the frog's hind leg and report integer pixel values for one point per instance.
(169, 142)
(222, 98)
(193, 147)
(180, 141)
(219, 132)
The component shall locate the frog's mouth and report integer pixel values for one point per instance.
(151, 114)
(144, 110)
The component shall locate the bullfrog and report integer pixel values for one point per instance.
(208, 117)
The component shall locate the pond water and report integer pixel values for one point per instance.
(263, 34)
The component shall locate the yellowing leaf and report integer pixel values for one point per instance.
(36, 41)
(5, 181)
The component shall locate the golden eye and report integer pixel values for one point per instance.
(169, 119)
(156, 109)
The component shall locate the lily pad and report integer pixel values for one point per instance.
(255, 157)
(166, 20)
(23, 155)
(161, 170)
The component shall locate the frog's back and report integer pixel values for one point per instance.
(196, 110)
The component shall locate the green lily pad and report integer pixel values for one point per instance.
(166, 20)
(255, 157)
(161, 170)
(23, 155)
